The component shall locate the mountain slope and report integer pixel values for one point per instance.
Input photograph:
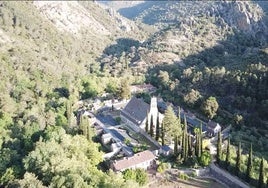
(163, 13)
(46, 44)
(190, 30)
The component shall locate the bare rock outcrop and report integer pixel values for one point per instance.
(70, 16)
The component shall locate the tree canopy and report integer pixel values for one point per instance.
(210, 107)
(171, 124)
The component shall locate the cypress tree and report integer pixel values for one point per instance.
(180, 139)
(185, 152)
(238, 160)
(175, 145)
(261, 175)
(228, 156)
(152, 127)
(200, 145)
(179, 116)
(197, 143)
(157, 131)
(184, 142)
(219, 149)
(186, 148)
(249, 165)
(201, 139)
(84, 124)
(163, 135)
(147, 124)
(190, 147)
(90, 133)
(69, 112)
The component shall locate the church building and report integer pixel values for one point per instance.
(136, 112)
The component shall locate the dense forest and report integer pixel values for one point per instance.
(49, 63)
(210, 53)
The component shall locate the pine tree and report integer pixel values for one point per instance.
(249, 165)
(261, 175)
(238, 160)
(170, 124)
(152, 127)
(219, 149)
(157, 131)
(228, 156)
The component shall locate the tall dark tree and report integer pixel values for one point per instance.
(84, 123)
(163, 134)
(261, 175)
(190, 147)
(147, 123)
(180, 140)
(185, 152)
(219, 148)
(228, 156)
(176, 146)
(157, 131)
(184, 140)
(249, 165)
(151, 126)
(238, 160)
(197, 142)
(201, 139)
(69, 112)
(199, 145)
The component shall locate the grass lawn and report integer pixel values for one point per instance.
(139, 137)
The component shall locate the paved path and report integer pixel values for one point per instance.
(121, 144)
(229, 178)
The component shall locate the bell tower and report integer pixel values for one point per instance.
(153, 110)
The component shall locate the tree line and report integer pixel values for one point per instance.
(251, 169)
(188, 148)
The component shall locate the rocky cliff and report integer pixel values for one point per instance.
(243, 15)
(224, 29)
(246, 16)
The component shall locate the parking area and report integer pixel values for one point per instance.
(123, 132)
(106, 119)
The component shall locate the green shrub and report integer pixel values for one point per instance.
(183, 176)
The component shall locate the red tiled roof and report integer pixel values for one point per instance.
(134, 160)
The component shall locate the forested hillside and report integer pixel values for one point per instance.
(210, 49)
(42, 50)
(54, 53)
(48, 62)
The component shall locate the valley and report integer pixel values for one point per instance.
(207, 59)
